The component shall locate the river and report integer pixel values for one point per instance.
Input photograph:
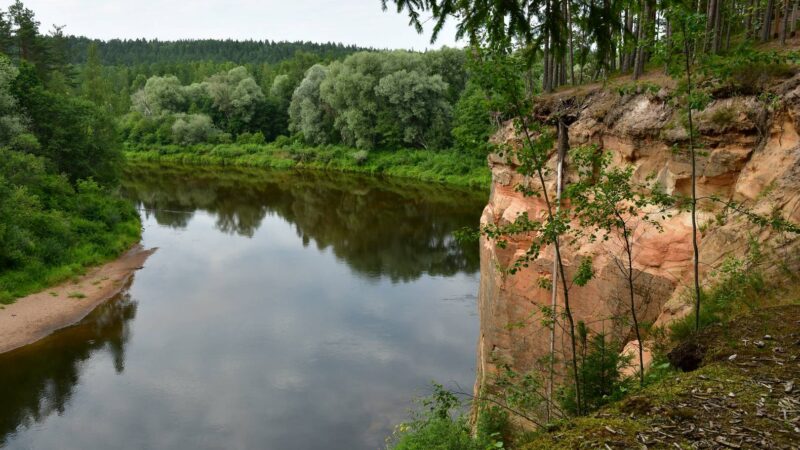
(282, 310)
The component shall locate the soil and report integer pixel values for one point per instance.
(744, 395)
(36, 316)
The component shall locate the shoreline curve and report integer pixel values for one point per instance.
(38, 315)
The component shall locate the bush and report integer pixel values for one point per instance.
(251, 138)
(599, 363)
(50, 228)
(739, 284)
(360, 157)
(434, 427)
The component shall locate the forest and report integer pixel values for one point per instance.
(75, 112)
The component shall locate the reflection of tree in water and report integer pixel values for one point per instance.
(37, 380)
(378, 226)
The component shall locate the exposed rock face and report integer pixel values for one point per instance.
(750, 153)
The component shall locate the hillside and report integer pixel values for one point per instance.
(744, 395)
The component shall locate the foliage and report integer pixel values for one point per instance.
(59, 164)
(193, 129)
(738, 286)
(308, 115)
(51, 229)
(78, 137)
(599, 366)
(437, 425)
(472, 121)
(391, 99)
(444, 166)
(132, 52)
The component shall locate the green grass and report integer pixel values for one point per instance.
(441, 166)
(99, 249)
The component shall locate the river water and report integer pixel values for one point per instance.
(282, 310)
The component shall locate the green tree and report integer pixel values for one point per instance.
(94, 86)
(79, 138)
(419, 114)
(308, 114)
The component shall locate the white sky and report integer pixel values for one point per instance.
(360, 22)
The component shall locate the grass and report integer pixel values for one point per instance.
(35, 277)
(733, 402)
(440, 166)
(76, 295)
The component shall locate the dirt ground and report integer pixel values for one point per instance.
(33, 317)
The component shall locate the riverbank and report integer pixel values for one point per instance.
(439, 166)
(37, 315)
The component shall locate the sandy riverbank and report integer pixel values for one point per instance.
(33, 317)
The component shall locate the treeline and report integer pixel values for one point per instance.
(370, 100)
(134, 52)
(60, 160)
(576, 41)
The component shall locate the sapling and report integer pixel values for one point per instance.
(608, 202)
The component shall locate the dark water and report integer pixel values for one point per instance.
(281, 311)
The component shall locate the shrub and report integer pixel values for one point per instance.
(739, 284)
(360, 157)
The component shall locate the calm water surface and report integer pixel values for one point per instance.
(282, 311)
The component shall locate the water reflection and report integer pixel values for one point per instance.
(38, 380)
(378, 226)
(283, 310)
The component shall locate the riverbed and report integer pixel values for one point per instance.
(282, 310)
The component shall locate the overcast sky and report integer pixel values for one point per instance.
(360, 22)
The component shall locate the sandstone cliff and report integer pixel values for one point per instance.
(751, 153)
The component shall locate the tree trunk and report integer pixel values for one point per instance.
(766, 28)
(571, 45)
(644, 17)
(625, 55)
(785, 24)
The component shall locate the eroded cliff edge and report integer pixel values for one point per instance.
(750, 154)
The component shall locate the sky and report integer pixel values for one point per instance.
(360, 22)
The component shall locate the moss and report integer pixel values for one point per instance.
(737, 399)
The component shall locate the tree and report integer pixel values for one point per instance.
(235, 97)
(308, 114)
(418, 107)
(160, 95)
(501, 69)
(193, 129)
(11, 123)
(472, 121)
(94, 87)
(608, 203)
(79, 138)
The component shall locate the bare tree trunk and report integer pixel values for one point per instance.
(563, 146)
(716, 42)
(785, 25)
(571, 45)
(687, 58)
(546, 72)
(766, 27)
(644, 17)
(668, 38)
(631, 291)
(625, 66)
(708, 45)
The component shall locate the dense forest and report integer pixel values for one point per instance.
(119, 52)
(571, 42)
(60, 160)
